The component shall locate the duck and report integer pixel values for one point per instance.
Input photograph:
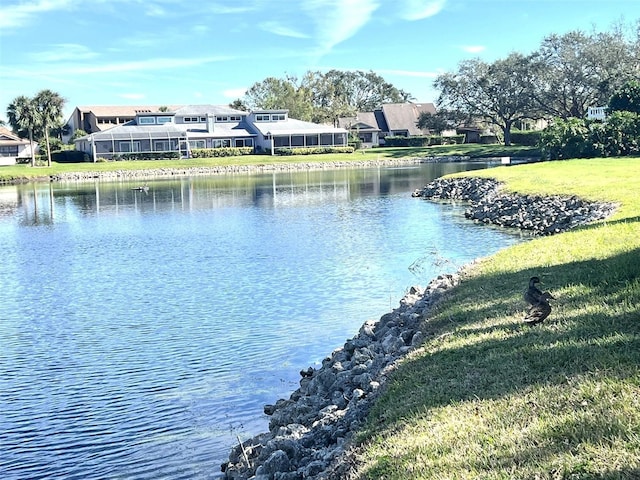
(538, 300)
(540, 311)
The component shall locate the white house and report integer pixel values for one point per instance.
(208, 126)
(12, 147)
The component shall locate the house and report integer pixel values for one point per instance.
(597, 113)
(392, 119)
(365, 126)
(96, 118)
(208, 126)
(12, 147)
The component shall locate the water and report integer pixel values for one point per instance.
(141, 333)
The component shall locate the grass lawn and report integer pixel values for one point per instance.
(488, 397)
(26, 172)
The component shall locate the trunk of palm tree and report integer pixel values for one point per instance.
(33, 153)
(46, 136)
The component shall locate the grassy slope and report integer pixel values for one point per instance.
(11, 173)
(490, 398)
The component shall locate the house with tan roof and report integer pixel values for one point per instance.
(12, 147)
(96, 118)
(392, 119)
(208, 126)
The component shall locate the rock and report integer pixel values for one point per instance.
(308, 432)
(540, 215)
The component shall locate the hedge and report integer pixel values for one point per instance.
(422, 140)
(220, 152)
(312, 150)
(70, 156)
(530, 138)
(147, 156)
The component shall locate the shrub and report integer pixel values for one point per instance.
(530, 138)
(578, 138)
(220, 152)
(312, 150)
(488, 139)
(70, 156)
(147, 156)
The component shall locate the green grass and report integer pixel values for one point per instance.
(488, 397)
(26, 172)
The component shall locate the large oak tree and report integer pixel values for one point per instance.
(498, 93)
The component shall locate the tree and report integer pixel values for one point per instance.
(238, 104)
(280, 93)
(24, 116)
(499, 93)
(324, 97)
(49, 105)
(627, 98)
(442, 120)
(576, 71)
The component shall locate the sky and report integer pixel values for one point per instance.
(182, 52)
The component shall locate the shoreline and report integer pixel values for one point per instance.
(159, 173)
(310, 433)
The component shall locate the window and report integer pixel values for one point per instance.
(162, 120)
(263, 118)
(244, 142)
(197, 144)
(278, 118)
(203, 119)
(162, 146)
(8, 151)
(222, 119)
(221, 143)
(129, 146)
(147, 120)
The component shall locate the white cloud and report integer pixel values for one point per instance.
(419, 9)
(21, 13)
(64, 52)
(279, 29)
(473, 48)
(338, 20)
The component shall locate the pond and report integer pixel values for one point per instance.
(142, 331)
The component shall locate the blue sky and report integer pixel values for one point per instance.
(168, 52)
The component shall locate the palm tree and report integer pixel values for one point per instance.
(49, 105)
(23, 115)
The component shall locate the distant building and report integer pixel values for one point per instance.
(12, 147)
(96, 118)
(392, 119)
(597, 113)
(208, 126)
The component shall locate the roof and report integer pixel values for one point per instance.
(131, 130)
(123, 110)
(197, 110)
(362, 121)
(7, 137)
(222, 130)
(404, 116)
(295, 127)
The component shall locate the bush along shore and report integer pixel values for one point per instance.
(309, 434)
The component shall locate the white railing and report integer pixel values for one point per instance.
(597, 113)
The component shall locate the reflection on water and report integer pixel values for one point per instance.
(141, 331)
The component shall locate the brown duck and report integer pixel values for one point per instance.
(538, 300)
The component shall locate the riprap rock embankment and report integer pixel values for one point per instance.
(309, 433)
(488, 203)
